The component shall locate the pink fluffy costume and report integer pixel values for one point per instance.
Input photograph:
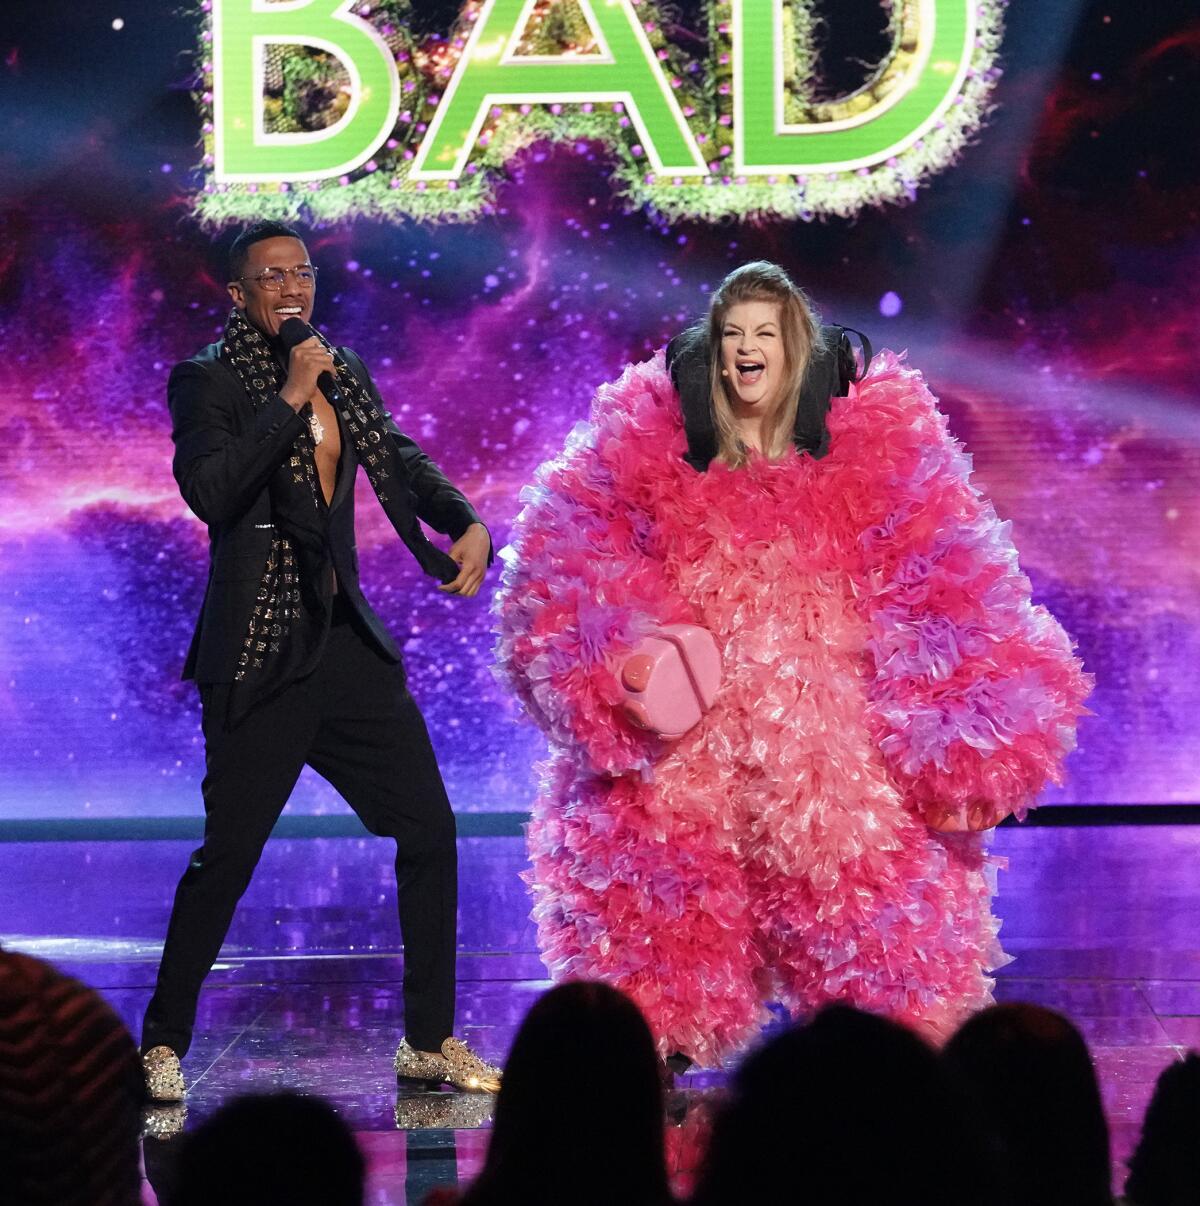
(882, 661)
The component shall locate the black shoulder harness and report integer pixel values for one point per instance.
(830, 370)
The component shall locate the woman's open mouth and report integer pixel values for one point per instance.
(750, 371)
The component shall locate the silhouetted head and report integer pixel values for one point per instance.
(1031, 1078)
(70, 1092)
(278, 1147)
(579, 1117)
(851, 1109)
(1165, 1168)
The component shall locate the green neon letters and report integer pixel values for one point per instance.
(490, 73)
(930, 72)
(734, 135)
(241, 31)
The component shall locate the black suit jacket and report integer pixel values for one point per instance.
(225, 455)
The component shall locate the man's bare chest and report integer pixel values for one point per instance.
(329, 450)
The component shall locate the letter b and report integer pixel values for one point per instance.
(244, 151)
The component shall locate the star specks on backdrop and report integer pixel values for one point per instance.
(1046, 285)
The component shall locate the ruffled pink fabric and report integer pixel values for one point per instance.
(882, 661)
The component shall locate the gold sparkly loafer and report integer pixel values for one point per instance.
(164, 1077)
(164, 1121)
(457, 1065)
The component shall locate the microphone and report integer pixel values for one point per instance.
(296, 330)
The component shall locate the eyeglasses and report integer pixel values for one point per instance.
(273, 279)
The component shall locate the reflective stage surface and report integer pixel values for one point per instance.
(1102, 923)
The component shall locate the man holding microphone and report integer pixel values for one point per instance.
(270, 426)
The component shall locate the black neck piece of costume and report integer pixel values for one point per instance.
(831, 368)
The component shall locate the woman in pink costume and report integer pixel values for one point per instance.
(885, 679)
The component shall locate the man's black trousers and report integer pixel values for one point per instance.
(353, 721)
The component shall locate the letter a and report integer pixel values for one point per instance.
(490, 72)
(244, 151)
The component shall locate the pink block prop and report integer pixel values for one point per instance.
(671, 679)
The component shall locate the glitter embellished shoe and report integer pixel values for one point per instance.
(164, 1077)
(457, 1066)
(164, 1121)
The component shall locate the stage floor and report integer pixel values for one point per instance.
(1102, 923)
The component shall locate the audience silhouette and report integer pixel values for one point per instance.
(1031, 1079)
(1165, 1167)
(70, 1092)
(849, 1110)
(600, 1144)
(271, 1148)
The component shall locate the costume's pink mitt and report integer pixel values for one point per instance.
(976, 691)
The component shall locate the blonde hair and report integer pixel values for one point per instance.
(799, 332)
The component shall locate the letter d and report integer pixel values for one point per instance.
(244, 151)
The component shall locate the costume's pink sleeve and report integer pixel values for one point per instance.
(581, 587)
(976, 690)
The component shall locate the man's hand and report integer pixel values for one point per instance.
(306, 362)
(470, 552)
(980, 814)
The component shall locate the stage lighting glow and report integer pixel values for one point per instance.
(1048, 289)
(349, 105)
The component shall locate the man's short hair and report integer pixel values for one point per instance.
(239, 252)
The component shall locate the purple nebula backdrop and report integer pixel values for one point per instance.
(1047, 286)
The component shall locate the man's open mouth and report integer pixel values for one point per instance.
(289, 311)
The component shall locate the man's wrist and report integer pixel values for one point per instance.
(292, 396)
